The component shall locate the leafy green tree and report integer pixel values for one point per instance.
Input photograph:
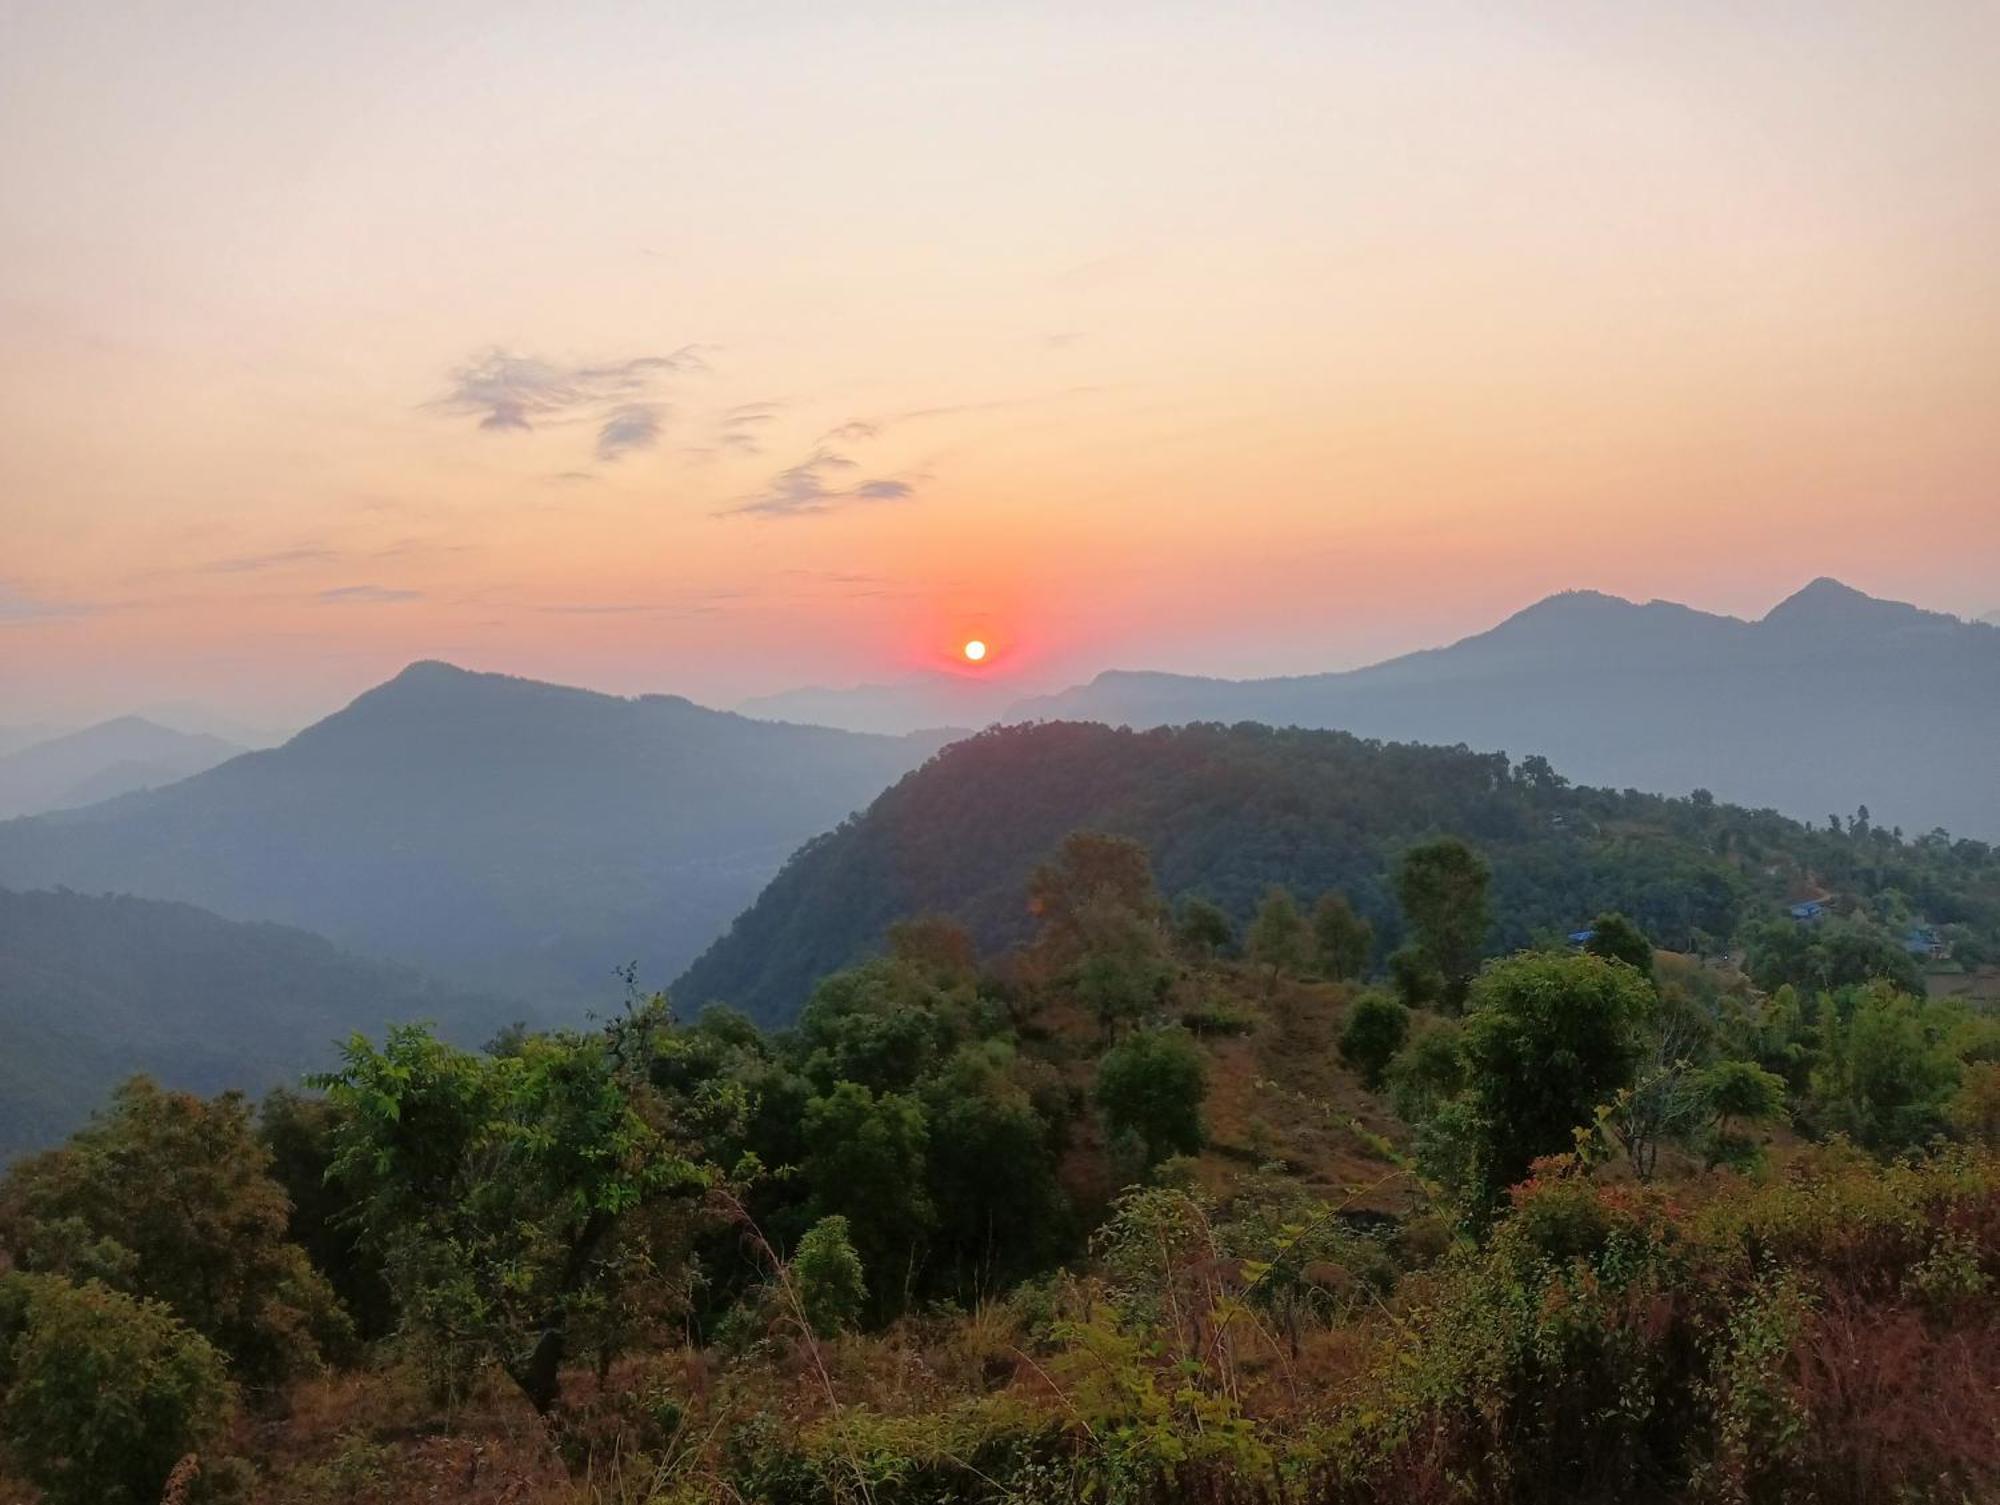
(1737, 1094)
(1887, 1072)
(1202, 928)
(1341, 937)
(169, 1196)
(1124, 972)
(1152, 1086)
(992, 1167)
(866, 1161)
(1548, 1038)
(1442, 886)
(883, 1024)
(1429, 1070)
(1377, 1025)
(102, 1393)
(298, 1131)
(495, 1188)
(1616, 938)
(1823, 958)
(1279, 938)
(827, 1277)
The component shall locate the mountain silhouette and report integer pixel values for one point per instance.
(1833, 700)
(111, 758)
(524, 837)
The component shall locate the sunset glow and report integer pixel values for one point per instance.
(975, 651)
(656, 349)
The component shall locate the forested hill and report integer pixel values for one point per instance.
(96, 988)
(512, 835)
(1227, 811)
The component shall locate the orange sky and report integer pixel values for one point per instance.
(724, 348)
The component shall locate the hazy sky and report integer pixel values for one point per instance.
(723, 347)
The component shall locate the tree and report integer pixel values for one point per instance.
(992, 1168)
(1124, 971)
(1886, 1073)
(168, 1196)
(102, 1393)
(1203, 929)
(495, 1187)
(938, 947)
(1737, 1093)
(1093, 876)
(884, 1024)
(1415, 977)
(1548, 1038)
(1152, 1086)
(298, 1131)
(1825, 957)
(1429, 1070)
(1376, 1028)
(866, 1161)
(1664, 1103)
(827, 1277)
(1341, 937)
(1278, 935)
(1442, 886)
(1616, 938)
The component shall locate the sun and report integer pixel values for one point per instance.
(974, 651)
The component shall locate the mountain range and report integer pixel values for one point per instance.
(520, 837)
(111, 758)
(1831, 701)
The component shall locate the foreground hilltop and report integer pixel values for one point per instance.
(1833, 699)
(1227, 811)
(519, 835)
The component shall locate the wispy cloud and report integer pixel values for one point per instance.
(19, 606)
(742, 428)
(852, 432)
(276, 559)
(366, 595)
(515, 393)
(815, 485)
(634, 425)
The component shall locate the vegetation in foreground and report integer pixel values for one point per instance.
(1147, 1209)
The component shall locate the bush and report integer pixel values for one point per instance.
(827, 1277)
(1151, 1086)
(1376, 1028)
(101, 1394)
(1548, 1039)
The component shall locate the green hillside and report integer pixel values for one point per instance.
(98, 987)
(1227, 811)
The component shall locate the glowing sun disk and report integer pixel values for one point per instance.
(974, 651)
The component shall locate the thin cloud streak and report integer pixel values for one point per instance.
(366, 595)
(810, 487)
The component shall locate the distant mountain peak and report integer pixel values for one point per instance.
(1822, 595)
(1827, 604)
(430, 671)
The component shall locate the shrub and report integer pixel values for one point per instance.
(1151, 1086)
(101, 1393)
(1376, 1028)
(827, 1277)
